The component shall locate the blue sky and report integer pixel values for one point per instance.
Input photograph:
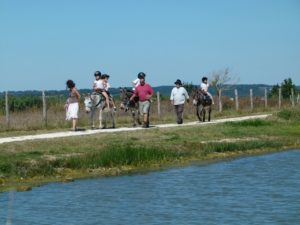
(44, 43)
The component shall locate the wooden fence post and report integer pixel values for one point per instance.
(292, 96)
(279, 98)
(7, 109)
(266, 98)
(158, 105)
(298, 98)
(251, 99)
(220, 100)
(236, 99)
(44, 108)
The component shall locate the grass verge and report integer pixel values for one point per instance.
(25, 165)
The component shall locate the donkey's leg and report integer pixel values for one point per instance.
(203, 114)
(113, 118)
(100, 118)
(198, 112)
(92, 116)
(133, 118)
(209, 112)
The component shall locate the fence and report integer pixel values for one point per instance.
(162, 112)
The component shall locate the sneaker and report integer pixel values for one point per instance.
(115, 109)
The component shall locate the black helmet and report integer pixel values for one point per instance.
(204, 78)
(141, 75)
(97, 73)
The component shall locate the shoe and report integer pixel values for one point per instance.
(145, 125)
(115, 109)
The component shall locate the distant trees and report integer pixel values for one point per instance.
(286, 89)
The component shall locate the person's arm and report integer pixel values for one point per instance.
(134, 95)
(150, 92)
(186, 95)
(77, 94)
(172, 97)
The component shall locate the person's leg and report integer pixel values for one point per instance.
(212, 99)
(180, 114)
(106, 99)
(74, 123)
(176, 112)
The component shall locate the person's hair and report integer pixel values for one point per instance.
(204, 79)
(103, 76)
(70, 84)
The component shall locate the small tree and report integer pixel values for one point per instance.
(219, 80)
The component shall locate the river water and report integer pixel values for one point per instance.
(252, 190)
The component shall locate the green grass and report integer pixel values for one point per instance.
(56, 159)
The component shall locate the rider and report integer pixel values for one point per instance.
(204, 87)
(105, 78)
(99, 86)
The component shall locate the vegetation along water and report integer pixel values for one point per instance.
(36, 162)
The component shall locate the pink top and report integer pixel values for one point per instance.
(142, 91)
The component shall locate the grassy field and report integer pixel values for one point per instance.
(31, 163)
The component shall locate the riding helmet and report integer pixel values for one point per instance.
(204, 78)
(141, 75)
(97, 73)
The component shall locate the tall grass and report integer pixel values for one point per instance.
(113, 156)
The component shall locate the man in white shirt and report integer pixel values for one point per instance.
(178, 97)
(204, 87)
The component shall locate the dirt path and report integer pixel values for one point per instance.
(88, 132)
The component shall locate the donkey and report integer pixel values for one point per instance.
(97, 101)
(203, 104)
(133, 106)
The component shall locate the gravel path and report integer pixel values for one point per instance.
(88, 132)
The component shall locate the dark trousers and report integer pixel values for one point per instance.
(179, 113)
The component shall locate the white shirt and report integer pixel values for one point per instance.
(178, 95)
(204, 86)
(98, 84)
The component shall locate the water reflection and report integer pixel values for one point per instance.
(254, 190)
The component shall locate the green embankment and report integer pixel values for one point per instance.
(35, 162)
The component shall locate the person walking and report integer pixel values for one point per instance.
(178, 97)
(72, 105)
(144, 91)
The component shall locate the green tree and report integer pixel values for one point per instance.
(286, 88)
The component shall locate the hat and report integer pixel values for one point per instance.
(178, 82)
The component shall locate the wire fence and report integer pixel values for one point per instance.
(47, 112)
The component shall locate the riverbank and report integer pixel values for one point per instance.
(23, 165)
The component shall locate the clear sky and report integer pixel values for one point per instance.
(44, 43)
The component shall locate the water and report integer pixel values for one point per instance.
(253, 190)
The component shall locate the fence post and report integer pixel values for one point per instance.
(7, 109)
(251, 99)
(279, 98)
(292, 96)
(236, 99)
(158, 105)
(220, 100)
(298, 98)
(266, 98)
(44, 108)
